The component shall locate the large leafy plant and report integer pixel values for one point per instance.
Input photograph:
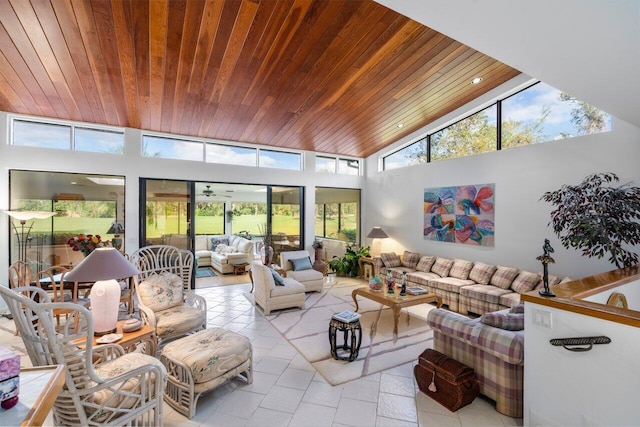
(348, 264)
(598, 218)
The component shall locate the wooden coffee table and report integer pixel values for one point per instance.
(394, 302)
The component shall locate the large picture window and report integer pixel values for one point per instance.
(83, 204)
(536, 114)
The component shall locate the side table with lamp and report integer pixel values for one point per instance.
(104, 266)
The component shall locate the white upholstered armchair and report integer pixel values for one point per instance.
(103, 385)
(270, 296)
(298, 265)
(163, 294)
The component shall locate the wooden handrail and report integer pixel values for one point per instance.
(570, 296)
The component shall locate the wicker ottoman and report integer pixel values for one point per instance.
(201, 362)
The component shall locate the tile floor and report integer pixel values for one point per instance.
(286, 390)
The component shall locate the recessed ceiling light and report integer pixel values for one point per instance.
(476, 80)
(400, 125)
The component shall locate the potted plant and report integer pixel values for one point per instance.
(347, 265)
(598, 218)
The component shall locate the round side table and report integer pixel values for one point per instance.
(352, 332)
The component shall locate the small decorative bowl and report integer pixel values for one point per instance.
(376, 284)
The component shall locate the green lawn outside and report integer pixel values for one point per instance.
(204, 225)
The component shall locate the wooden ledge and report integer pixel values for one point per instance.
(570, 296)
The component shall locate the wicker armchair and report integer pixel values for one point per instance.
(116, 389)
(162, 290)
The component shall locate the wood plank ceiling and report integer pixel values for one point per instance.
(330, 76)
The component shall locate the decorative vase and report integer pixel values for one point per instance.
(266, 253)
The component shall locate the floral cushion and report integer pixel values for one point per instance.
(503, 277)
(410, 259)
(425, 263)
(442, 266)
(460, 269)
(217, 240)
(122, 365)
(211, 353)
(177, 320)
(481, 273)
(391, 259)
(161, 291)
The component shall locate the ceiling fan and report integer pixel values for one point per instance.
(209, 192)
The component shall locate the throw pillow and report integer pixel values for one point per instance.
(525, 282)
(216, 240)
(506, 321)
(442, 266)
(425, 264)
(161, 291)
(300, 264)
(503, 277)
(277, 277)
(410, 259)
(390, 259)
(481, 273)
(461, 269)
(517, 308)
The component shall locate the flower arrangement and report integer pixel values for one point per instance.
(85, 243)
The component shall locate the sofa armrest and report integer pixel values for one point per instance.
(503, 344)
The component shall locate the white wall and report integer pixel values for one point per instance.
(593, 388)
(630, 290)
(393, 199)
(588, 48)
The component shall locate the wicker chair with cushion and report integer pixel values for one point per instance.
(163, 295)
(103, 385)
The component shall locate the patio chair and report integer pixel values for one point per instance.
(162, 290)
(103, 385)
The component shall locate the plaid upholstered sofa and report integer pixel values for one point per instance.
(464, 286)
(496, 355)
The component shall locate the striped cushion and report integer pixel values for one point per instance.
(425, 263)
(525, 282)
(442, 266)
(390, 259)
(481, 273)
(410, 259)
(460, 269)
(503, 277)
(506, 321)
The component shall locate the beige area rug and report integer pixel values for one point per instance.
(307, 331)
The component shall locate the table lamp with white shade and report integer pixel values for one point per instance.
(103, 265)
(376, 234)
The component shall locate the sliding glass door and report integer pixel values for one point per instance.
(167, 207)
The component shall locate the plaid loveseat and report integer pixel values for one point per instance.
(496, 355)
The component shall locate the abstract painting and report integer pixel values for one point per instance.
(462, 214)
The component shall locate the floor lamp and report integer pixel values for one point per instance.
(376, 233)
(22, 235)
